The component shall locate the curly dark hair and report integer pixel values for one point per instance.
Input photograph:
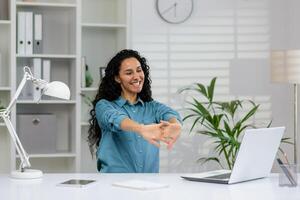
(110, 90)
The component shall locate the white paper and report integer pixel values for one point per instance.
(140, 185)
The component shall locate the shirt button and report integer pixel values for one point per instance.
(139, 136)
(140, 151)
(141, 166)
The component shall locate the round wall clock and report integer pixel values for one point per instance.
(174, 11)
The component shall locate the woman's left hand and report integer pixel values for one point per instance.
(171, 132)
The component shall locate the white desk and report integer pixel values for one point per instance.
(266, 189)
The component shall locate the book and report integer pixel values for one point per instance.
(140, 185)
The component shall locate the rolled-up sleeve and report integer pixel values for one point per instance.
(163, 112)
(109, 117)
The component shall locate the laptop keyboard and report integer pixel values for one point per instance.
(220, 176)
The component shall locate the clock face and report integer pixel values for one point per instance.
(174, 11)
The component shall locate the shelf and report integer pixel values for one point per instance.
(102, 25)
(84, 124)
(5, 89)
(52, 155)
(46, 102)
(5, 22)
(60, 56)
(43, 4)
(92, 89)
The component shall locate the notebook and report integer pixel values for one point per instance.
(140, 185)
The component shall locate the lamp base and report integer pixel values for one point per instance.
(27, 174)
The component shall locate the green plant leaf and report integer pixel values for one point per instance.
(208, 133)
(201, 88)
(196, 120)
(210, 89)
(286, 140)
(207, 159)
(269, 125)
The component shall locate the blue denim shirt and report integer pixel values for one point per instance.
(128, 152)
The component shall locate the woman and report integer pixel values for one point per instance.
(127, 125)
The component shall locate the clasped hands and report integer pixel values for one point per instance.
(166, 132)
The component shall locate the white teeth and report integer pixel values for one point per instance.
(137, 82)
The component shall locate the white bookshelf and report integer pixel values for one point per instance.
(99, 25)
(84, 124)
(6, 63)
(46, 102)
(96, 29)
(90, 89)
(4, 88)
(53, 155)
(5, 22)
(62, 56)
(45, 4)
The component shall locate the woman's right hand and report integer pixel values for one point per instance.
(152, 133)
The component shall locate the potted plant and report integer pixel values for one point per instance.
(219, 121)
(1, 106)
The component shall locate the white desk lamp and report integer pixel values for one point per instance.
(285, 67)
(55, 89)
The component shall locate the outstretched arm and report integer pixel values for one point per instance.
(152, 132)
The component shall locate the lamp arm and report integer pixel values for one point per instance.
(18, 91)
(6, 117)
(27, 76)
(5, 114)
(19, 147)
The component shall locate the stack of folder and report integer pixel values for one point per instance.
(29, 33)
(29, 42)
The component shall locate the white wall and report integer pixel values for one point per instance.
(230, 39)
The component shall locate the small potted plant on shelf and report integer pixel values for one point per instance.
(1, 106)
(219, 120)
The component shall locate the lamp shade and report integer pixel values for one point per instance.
(285, 66)
(57, 89)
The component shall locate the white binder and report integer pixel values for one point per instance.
(29, 33)
(46, 70)
(37, 72)
(38, 33)
(21, 26)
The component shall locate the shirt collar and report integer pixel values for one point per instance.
(121, 101)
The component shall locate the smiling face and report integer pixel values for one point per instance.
(131, 78)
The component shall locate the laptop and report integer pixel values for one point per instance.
(254, 159)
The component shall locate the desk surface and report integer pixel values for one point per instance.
(46, 188)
